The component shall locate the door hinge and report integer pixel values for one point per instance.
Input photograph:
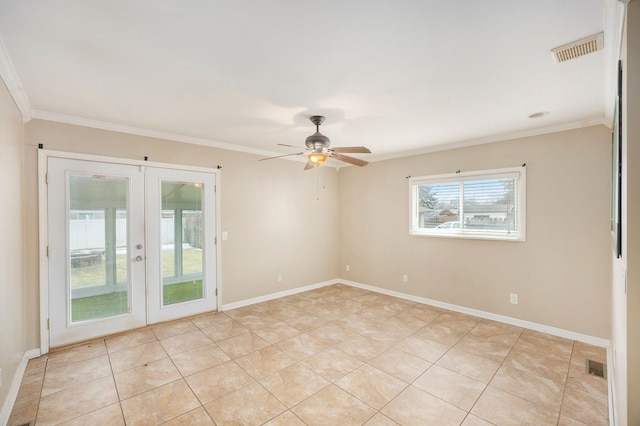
(47, 251)
(215, 241)
(48, 324)
(46, 178)
(216, 292)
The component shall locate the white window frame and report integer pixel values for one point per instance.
(519, 173)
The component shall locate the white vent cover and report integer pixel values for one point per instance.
(578, 48)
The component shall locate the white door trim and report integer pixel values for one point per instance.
(43, 157)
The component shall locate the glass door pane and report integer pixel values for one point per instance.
(97, 251)
(182, 236)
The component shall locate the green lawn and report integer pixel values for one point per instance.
(94, 275)
(105, 305)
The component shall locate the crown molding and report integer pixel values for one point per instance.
(495, 138)
(12, 81)
(121, 128)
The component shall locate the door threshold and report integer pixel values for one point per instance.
(109, 336)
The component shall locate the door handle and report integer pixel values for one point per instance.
(139, 258)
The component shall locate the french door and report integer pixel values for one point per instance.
(128, 246)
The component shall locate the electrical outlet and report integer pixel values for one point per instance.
(279, 277)
(347, 268)
(513, 298)
(405, 278)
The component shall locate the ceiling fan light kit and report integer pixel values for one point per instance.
(318, 151)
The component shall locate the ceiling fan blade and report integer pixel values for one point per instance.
(309, 165)
(280, 156)
(290, 146)
(350, 160)
(352, 149)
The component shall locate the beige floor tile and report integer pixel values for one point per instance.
(476, 367)
(380, 420)
(538, 389)
(199, 359)
(585, 407)
(256, 321)
(24, 411)
(210, 319)
(361, 347)
(226, 328)
(332, 364)
(294, 384)
(496, 332)
(568, 421)
(372, 386)
(450, 386)
(218, 381)
(543, 344)
(579, 378)
(173, 328)
(242, 344)
(77, 354)
(136, 356)
(36, 366)
(265, 362)
(472, 420)
(285, 419)
(148, 376)
(333, 406)
(110, 415)
(160, 404)
(445, 334)
(357, 323)
(76, 401)
(57, 379)
(484, 347)
(400, 364)
(185, 342)
(501, 408)
(130, 339)
(386, 333)
(421, 347)
(548, 366)
(416, 407)
(232, 409)
(583, 351)
(305, 322)
(407, 321)
(277, 332)
(301, 346)
(197, 417)
(331, 334)
(342, 335)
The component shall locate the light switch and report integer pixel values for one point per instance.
(225, 236)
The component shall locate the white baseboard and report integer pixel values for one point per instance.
(10, 400)
(596, 341)
(267, 297)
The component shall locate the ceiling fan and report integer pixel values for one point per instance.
(318, 150)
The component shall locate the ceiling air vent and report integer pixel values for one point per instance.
(578, 48)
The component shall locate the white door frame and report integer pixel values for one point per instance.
(43, 157)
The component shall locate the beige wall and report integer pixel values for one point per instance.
(279, 218)
(12, 302)
(562, 272)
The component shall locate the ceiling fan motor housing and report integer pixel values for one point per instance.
(317, 141)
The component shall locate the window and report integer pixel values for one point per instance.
(486, 204)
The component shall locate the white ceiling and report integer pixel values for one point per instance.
(396, 76)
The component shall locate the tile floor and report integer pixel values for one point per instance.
(333, 356)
